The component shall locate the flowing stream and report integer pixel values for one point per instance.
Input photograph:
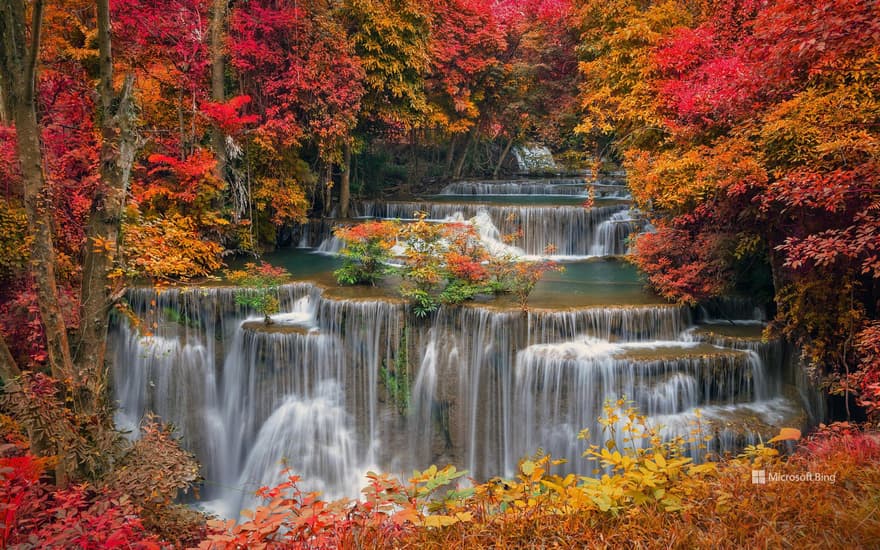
(349, 380)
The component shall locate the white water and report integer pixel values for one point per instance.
(535, 158)
(570, 231)
(610, 189)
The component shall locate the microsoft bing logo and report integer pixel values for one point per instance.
(759, 477)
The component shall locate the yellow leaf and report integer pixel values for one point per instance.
(439, 521)
(658, 458)
(787, 434)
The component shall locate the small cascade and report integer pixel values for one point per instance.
(569, 230)
(610, 189)
(315, 436)
(565, 386)
(311, 233)
(330, 245)
(534, 159)
(611, 236)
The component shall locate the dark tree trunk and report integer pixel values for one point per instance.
(450, 155)
(502, 158)
(5, 111)
(328, 189)
(459, 166)
(345, 181)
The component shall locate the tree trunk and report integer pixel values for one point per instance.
(218, 74)
(5, 112)
(472, 137)
(450, 156)
(18, 63)
(328, 189)
(103, 245)
(345, 181)
(503, 157)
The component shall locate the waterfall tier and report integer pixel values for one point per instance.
(564, 187)
(568, 230)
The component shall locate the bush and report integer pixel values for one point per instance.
(261, 284)
(169, 248)
(650, 496)
(367, 249)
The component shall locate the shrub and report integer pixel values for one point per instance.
(169, 248)
(650, 495)
(367, 250)
(261, 284)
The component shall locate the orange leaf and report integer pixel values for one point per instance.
(787, 434)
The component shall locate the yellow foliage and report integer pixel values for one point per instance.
(617, 43)
(14, 242)
(168, 248)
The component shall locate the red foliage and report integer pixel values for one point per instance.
(299, 70)
(21, 325)
(36, 514)
(466, 267)
(867, 379)
(9, 169)
(165, 39)
(842, 438)
(178, 182)
(466, 41)
(848, 194)
(228, 115)
(70, 153)
(683, 265)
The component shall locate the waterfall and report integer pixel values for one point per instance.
(343, 382)
(534, 158)
(228, 382)
(610, 237)
(330, 245)
(314, 435)
(610, 189)
(569, 230)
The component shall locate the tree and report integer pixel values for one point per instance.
(390, 40)
(77, 362)
(297, 65)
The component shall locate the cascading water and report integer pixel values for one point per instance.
(534, 158)
(338, 385)
(569, 230)
(565, 187)
(610, 237)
